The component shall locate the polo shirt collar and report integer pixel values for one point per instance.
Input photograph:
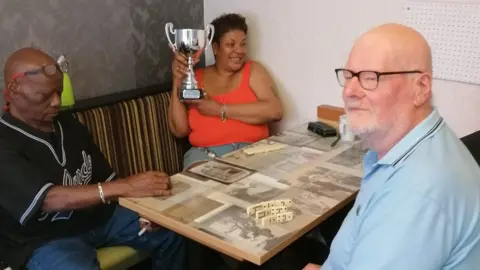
(408, 143)
(415, 137)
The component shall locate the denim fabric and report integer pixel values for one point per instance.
(167, 247)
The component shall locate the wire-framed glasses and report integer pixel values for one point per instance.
(47, 70)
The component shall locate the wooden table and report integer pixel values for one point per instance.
(318, 178)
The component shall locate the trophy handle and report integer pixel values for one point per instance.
(210, 31)
(168, 30)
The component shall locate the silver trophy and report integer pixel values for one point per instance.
(192, 43)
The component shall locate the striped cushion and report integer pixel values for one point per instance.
(134, 135)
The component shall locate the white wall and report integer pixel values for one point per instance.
(301, 42)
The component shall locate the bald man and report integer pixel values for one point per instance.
(419, 201)
(57, 191)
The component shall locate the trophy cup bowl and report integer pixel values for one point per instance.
(191, 43)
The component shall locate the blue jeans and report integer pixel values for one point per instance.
(197, 154)
(167, 247)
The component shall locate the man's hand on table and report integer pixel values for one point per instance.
(147, 184)
(311, 266)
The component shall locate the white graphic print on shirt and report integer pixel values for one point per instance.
(82, 176)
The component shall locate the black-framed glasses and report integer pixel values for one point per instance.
(368, 78)
(48, 70)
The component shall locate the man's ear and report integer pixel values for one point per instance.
(13, 88)
(423, 89)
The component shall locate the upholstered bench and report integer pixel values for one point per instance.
(131, 129)
(119, 258)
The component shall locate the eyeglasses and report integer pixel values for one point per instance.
(368, 79)
(47, 70)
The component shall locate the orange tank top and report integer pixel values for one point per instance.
(207, 131)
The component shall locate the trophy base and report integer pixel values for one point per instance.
(190, 94)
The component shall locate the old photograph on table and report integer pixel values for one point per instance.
(260, 161)
(348, 181)
(323, 144)
(351, 157)
(329, 180)
(192, 208)
(178, 186)
(253, 190)
(328, 189)
(294, 138)
(281, 169)
(307, 140)
(307, 203)
(219, 171)
(234, 225)
(183, 188)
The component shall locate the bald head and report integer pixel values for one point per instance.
(396, 47)
(34, 95)
(387, 103)
(25, 59)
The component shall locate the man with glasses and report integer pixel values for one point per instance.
(57, 190)
(419, 202)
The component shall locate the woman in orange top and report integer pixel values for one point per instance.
(240, 97)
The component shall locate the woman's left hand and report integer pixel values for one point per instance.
(207, 106)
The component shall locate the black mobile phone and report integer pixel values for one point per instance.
(322, 129)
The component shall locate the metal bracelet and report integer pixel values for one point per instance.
(100, 191)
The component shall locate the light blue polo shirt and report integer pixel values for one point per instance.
(418, 207)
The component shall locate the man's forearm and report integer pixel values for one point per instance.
(62, 198)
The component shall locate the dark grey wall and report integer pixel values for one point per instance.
(112, 45)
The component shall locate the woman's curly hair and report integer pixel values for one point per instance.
(226, 23)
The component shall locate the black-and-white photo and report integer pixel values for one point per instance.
(324, 177)
(262, 161)
(294, 138)
(313, 174)
(252, 191)
(258, 161)
(287, 166)
(220, 171)
(306, 202)
(177, 188)
(295, 161)
(305, 177)
(236, 226)
(281, 169)
(344, 179)
(329, 190)
(191, 209)
(323, 144)
(351, 158)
